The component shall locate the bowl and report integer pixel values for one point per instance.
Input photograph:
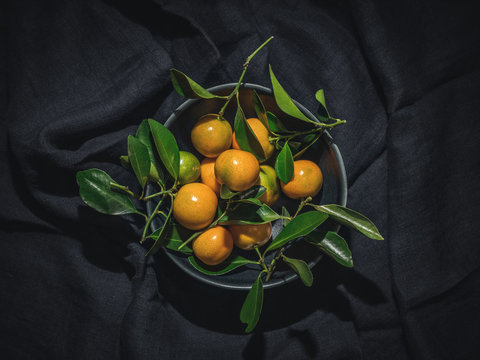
(324, 152)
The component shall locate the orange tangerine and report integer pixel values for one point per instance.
(195, 206)
(246, 236)
(211, 135)
(237, 169)
(213, 246)
(207, 174)
(307, 180)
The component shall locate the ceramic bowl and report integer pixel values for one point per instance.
(324, 152)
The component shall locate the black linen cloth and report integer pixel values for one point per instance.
(79, 76)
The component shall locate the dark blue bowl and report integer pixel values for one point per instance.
(325, 153)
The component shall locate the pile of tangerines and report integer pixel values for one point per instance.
(195, 204)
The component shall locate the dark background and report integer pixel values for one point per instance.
(79, 76)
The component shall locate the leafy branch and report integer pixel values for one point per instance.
(245, 67)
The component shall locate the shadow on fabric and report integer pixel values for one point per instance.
(218, 309)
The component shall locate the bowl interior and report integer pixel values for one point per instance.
(324, 152)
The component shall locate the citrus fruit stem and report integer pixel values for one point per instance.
(160, 185)
(250, 57)
(191, 238)
(319, 129)
(302, 151)
(261, 259)
(337, 122)
(159, 212)
(245, 66)
(271, 267)
(154, 213)
(157, 194)
(123, 188)
(302, 204)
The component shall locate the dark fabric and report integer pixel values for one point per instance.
(79, 76)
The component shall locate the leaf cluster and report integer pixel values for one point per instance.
(290, 143)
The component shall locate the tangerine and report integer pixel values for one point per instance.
(246, 236)
(207, 174)
(195, 206)
(237, 169)
(211, 135)
(307, 180)
(213, 246)
(261, 133)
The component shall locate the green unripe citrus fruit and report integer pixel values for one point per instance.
(189, 168)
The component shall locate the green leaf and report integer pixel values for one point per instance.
(285, 213)
(159, 239)
(143, 134)
(174, 244)
(246, 138)
(156, 174)
(266, 213)
(285, 102)
(308, 138)
(139, 159)
(172, 237)
(255, 191)
(252, 306)
(323, 119)
(249, 201)
(275, 124)
(96, 192)
(188, 88)
(167, 147)
(351, 219)
(260, 109)
(284, 164)
(294, 145)
(333, 245)
(226, 193)
(301, 269)
(249, 214)
(320, 96)
(233, 264)
(301, 225)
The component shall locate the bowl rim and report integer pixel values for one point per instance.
(343, 187)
